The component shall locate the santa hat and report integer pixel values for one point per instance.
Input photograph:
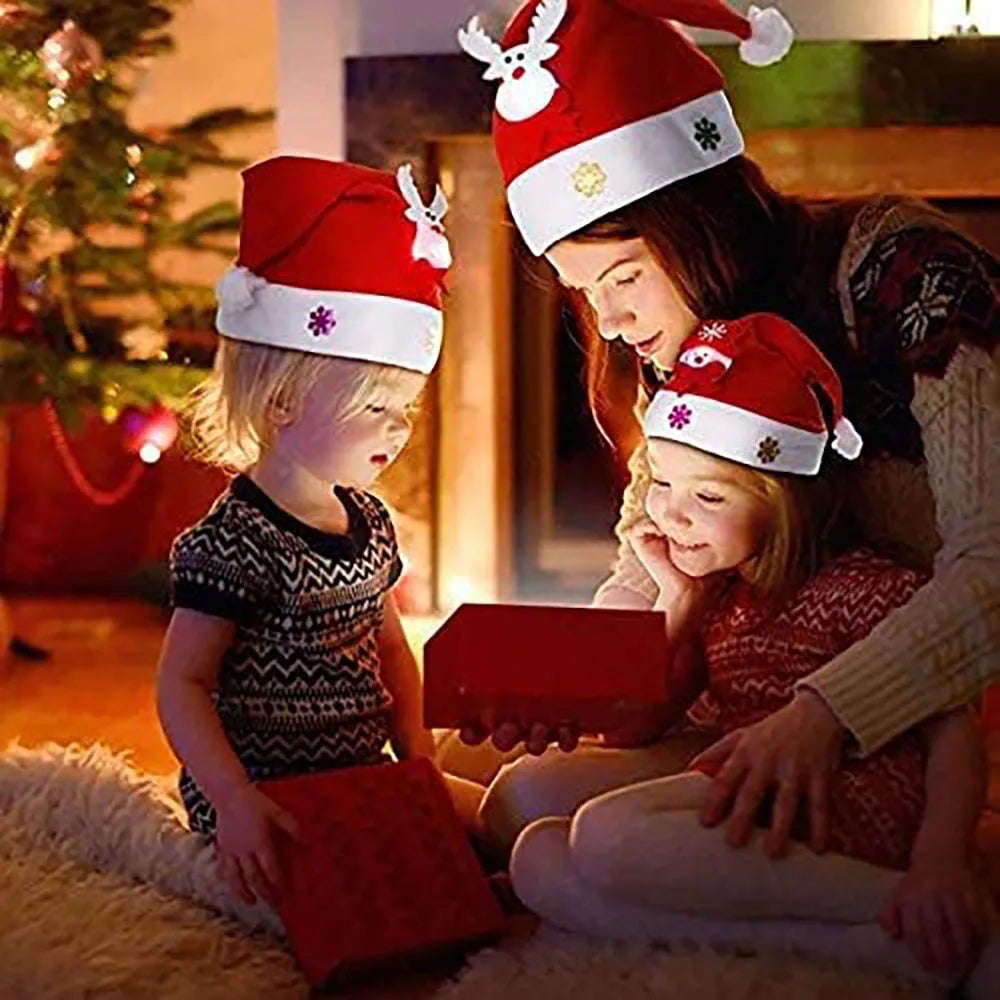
(605, 101)
(337, 259)
(745, 390)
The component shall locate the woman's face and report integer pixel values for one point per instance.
(630, 293)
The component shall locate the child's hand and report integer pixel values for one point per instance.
(245, 841)
(943, 910)
(653, 550)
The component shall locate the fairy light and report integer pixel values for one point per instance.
(57, 99)
(149, 453)
(28, 157)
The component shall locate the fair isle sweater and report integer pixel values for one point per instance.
(922, 308)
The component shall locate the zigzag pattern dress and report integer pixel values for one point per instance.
(754, 660)
(299, 688)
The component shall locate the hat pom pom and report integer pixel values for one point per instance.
(237, 287)
(846, 440)
(770, 37)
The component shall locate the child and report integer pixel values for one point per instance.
(737, 518)
(285, 653)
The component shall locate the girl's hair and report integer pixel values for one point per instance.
(232, 414)
(805, 516)
(732, 245)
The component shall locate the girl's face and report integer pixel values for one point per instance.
(630, 293)
(353, 449)
(706, 507)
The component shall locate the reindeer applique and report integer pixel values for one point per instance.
(527, 87)
(430, 243)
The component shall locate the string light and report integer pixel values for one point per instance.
(149, 453)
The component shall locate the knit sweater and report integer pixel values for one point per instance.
(936, 508)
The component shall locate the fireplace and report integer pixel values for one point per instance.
(507, 490)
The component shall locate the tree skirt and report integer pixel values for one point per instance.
(105, 893)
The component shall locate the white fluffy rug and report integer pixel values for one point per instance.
(105, 894)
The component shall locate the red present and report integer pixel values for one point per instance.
(596, 667)
(386, 874)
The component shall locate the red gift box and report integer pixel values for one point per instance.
(385, 874)
(595, 667)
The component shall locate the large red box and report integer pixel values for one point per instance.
(527, 663)
(386, 874)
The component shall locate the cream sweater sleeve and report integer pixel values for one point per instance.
(629, 585)
(943, 647)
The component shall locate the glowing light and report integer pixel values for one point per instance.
(149, 453)
(29, 156)
(460, 589)
(57, 99)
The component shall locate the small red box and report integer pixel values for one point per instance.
(529, 663)
(386, 874)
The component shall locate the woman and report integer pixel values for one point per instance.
(625, 168)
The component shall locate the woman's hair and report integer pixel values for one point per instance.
(805, 515)
(232, 415)
(731, 245)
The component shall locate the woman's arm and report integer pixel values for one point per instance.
(402, 677)
(940, 649)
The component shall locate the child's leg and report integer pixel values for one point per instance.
(547, 882)
(557, 783)
(646, 844)
(466, 796)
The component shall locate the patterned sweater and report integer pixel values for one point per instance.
(299, 688)
(753, 661)
(921, 307)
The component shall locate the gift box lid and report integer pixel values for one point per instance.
(386, 875)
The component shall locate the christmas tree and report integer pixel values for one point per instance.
(87, 202)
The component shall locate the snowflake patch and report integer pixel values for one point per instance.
(707, 134)
(321, 321)
(768, 450)
(679, 417)
(712, 331)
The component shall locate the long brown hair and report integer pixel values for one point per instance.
(732, 245)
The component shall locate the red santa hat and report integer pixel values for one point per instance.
(603, 101)
(745, 390)
(337, 259)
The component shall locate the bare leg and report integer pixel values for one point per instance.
(645, 844)
(558, 783)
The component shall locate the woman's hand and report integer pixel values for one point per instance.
(943, 910)
(247, 824)
(797, 749)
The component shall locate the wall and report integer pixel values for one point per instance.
(382, 31)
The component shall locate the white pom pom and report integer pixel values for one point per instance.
(237, 288)
(771, 37)
(846, 440)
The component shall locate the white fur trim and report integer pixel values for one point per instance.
(355, 325)
(771, 37)
(551, 199)
(734, 433)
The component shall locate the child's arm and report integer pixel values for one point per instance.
(192, 654)
(942, 907)
(402, 677)
(681, 599)
(190, 660)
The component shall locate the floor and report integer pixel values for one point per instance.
(98, 686)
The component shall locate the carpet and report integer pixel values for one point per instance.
(105, 894)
